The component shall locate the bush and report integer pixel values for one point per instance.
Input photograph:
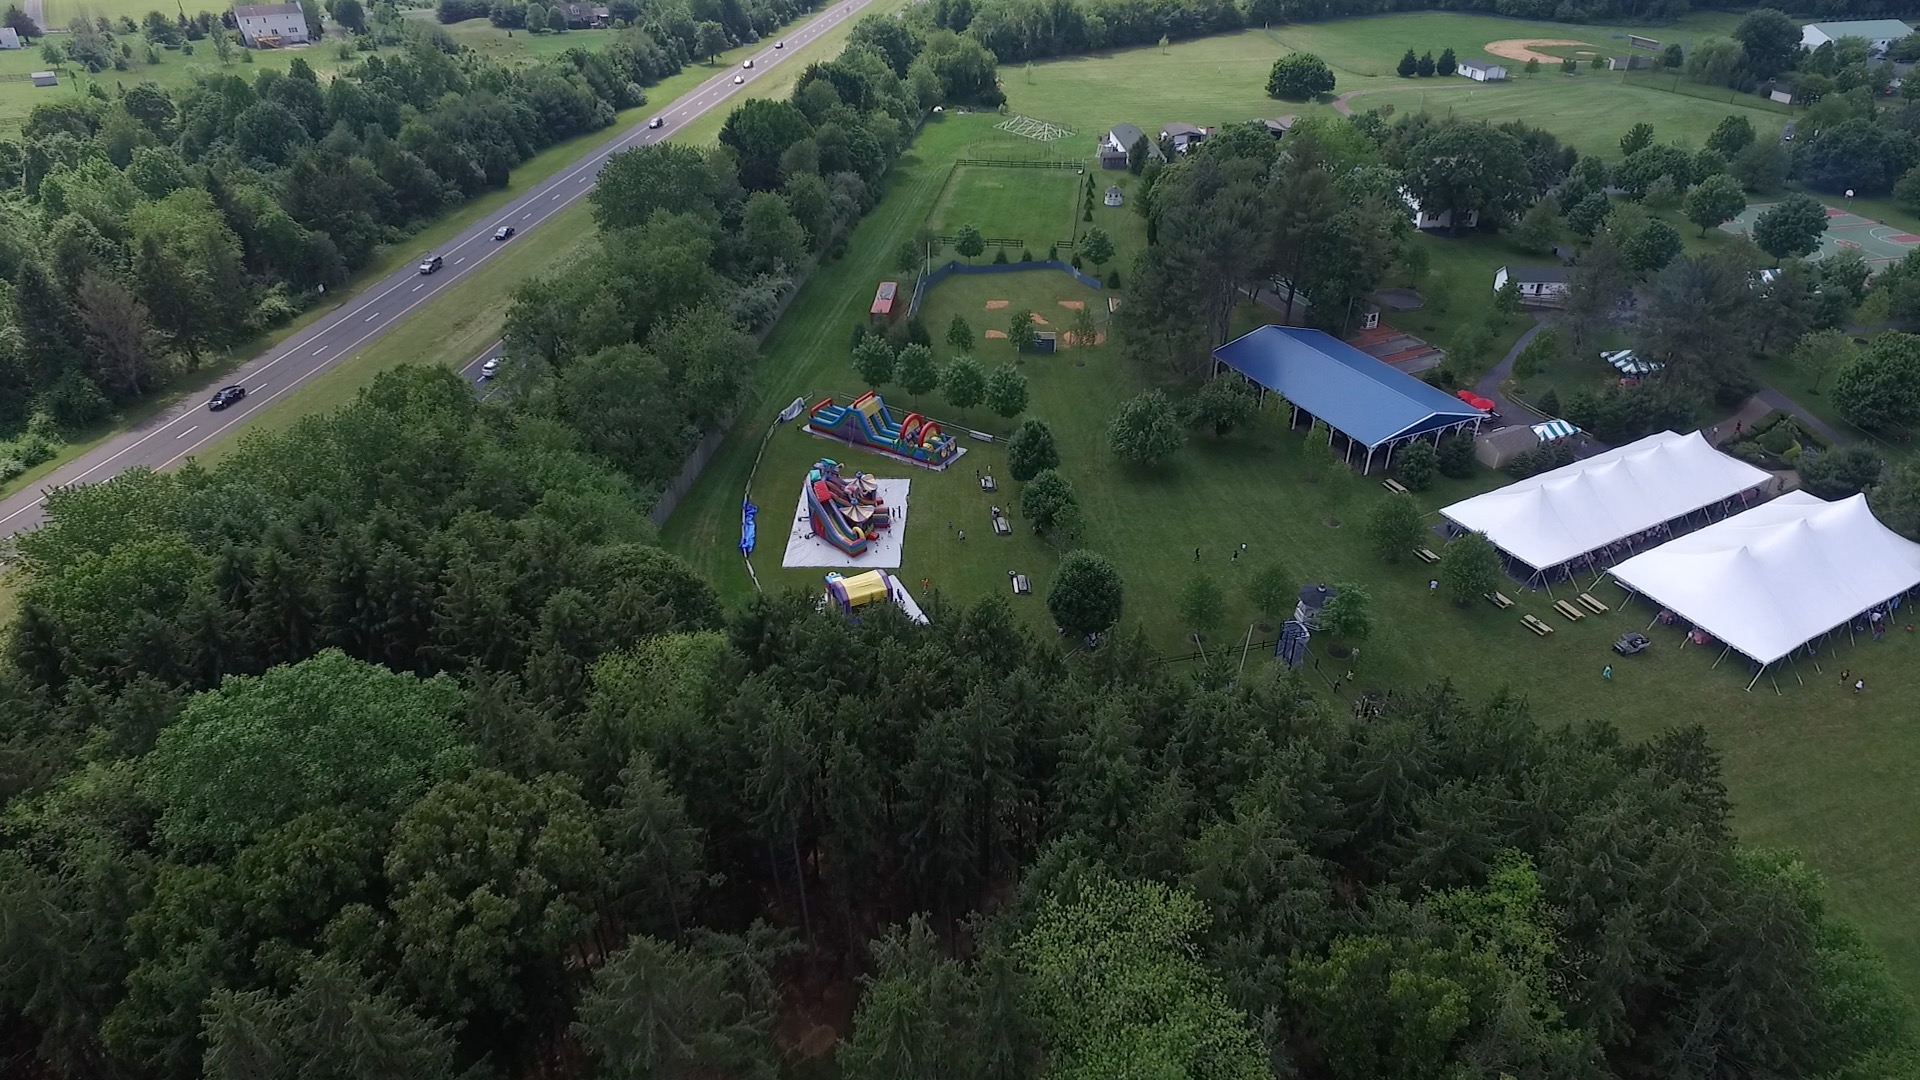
(1748, 451)
(1417, 465)
(1032, 450)
(11, 467)
(999, 256)
(1113, 278)
(1549, 402)
(1540, 459)
(1455, 455)
(1777, 439)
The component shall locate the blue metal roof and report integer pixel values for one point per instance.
(1362, 398)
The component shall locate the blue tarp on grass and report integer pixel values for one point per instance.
(1363, 398)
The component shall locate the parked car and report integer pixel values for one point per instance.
(504, 232)
(431, 263)
(1631, 642)
(657, 122)
(489, 369)
(226, 396)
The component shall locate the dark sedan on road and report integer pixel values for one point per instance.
(431, 263)
(504, 232)
(226, 396)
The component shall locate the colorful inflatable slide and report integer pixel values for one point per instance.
(869, 424)
(848, 514)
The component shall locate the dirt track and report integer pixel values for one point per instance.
(1522, 48)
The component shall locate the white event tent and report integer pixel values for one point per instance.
(1773, 578)
(1550, 519)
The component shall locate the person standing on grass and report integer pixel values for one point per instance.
(1196, 554)
(1859, 685)
(1844, 676)
(1607, 673)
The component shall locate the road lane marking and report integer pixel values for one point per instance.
(188, 432)
(459, 260)
(318, 351)
(420, 286)
(371, 317)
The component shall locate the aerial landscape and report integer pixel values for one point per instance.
(959, 540)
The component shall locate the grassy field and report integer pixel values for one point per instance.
(1810, 767)
(1591, 110)
(454, 327)
(61, 13)
(1037, 206)
(1221, 80)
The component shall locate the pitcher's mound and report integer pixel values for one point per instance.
(996, 335)
(996, 305)
(1073, 305)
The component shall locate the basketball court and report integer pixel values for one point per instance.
(1880, 244)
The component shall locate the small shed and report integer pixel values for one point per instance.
(1498, 446)
(1115, 196)
(1482, 71)
(45, 78)
(1313, 599)
(883, 297)
(9, 38)
(1279, 126)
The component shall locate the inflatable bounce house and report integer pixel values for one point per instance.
(848, 514)
(849, 595)
(867, 423)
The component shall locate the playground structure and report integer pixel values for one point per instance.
(849, 513)
(868, 424)
(849, 595)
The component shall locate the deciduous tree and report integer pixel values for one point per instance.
(1031, 450)
(1006, 391)
(915, 370)
(1880, 386)
(1395, 526)
(1793, 226)
(1145, 430)
(1299, 76)
(1087, 594)
(1714, 200)
(964, 382)
(1469, 567)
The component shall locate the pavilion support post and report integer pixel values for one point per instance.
(1756, 678)
(1368, 467)
(1722, 656)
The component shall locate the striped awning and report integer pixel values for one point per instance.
(1554, 429)
(1629, 364)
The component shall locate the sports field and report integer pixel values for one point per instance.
(1033, 205)
(60, 13)
(1220, 80)
(1877, 242)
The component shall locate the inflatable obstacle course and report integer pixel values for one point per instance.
(870, 425)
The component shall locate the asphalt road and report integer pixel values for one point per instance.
(188, 425)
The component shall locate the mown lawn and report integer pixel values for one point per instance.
(1373, 46)
(62, 12)
(1037, 206)
(1810, 767)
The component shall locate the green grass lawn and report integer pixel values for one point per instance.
(1811, 767)
(1036, 206)
(1373, 46)
(1591, 110)
(61, 13)
(1222, 80)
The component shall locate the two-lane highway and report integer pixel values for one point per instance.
(189, 425)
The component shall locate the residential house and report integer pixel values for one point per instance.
(9, 38)
(1540, 286)
(1120, 139)
(1442, 220)
(1482, 71)
(1879, 33)
(270, 26)
(1184, 136)
(583, 16)
(1279, 126)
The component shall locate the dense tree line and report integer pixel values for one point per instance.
(391, 743)
(137, 232)
(1319, 217)
(643, 345)
(695, 30)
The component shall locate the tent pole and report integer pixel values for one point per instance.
(1776, 686)
(1756, 678)
(1796, 674)
(1722, 656)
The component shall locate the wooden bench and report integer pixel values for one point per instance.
(1499, 600)
(1394, 486)
(1425, 555)
(1572, 613)
(1595, 606)
(1536, 625)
